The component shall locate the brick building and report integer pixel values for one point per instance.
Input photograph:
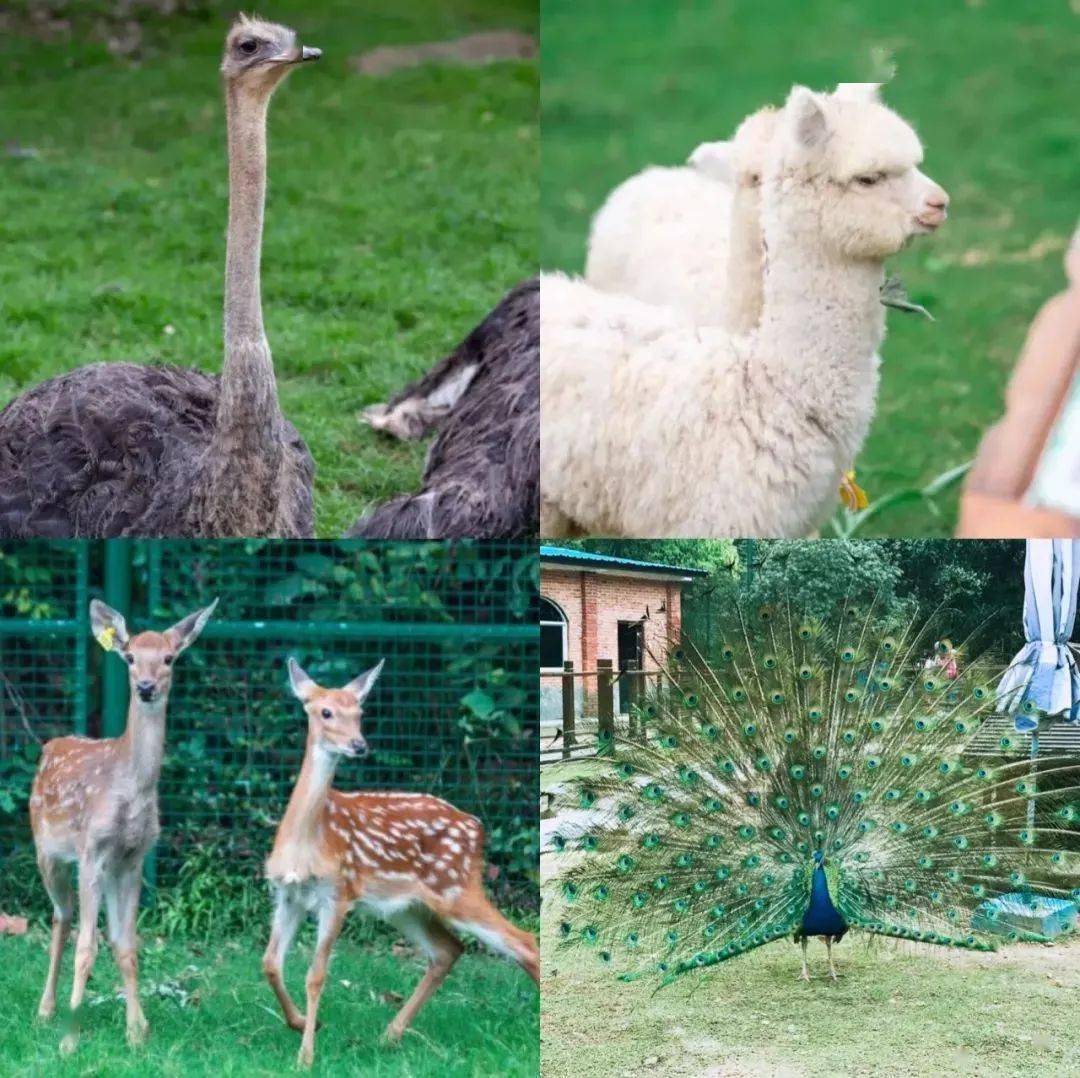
(594, 606)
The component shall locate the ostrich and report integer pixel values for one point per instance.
(482, 477)
(116, 449)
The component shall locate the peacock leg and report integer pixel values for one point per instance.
(828, 947)
(805, 975)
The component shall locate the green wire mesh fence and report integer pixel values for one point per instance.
(455, 712)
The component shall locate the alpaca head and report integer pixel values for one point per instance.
(258, 55)
(741, 161)
(845, 173)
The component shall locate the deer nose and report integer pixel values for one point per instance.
(145, 689)
(359, 747)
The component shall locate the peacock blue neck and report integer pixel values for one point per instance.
(821, 918)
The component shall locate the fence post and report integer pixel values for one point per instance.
(633, 678)
(605, 701)
(81, 615)
(569, 739)
(114, 680)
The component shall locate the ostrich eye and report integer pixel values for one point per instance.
(168, 659)
(249, 46)
(129, 659)
(867, 181)
(327, 713)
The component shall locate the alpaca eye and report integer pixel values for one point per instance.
(867, 181)
(327, 713)
(249, 46)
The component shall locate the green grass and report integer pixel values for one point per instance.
(211, 1013)
(986, 84)
(897, 1010)
(399, 211)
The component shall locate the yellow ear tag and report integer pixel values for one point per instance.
(106, 637)
(851, 494)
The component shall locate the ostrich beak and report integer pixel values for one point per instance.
(309, 53)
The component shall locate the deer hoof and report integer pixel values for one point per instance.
(69, 1044)
(305, 1058)
(137, 1032)
(46, 1011)
(391, 1037)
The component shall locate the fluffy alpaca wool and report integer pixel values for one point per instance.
(653, 427)
(690, 237)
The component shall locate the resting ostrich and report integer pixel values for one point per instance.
(118, 449)
(482, 477)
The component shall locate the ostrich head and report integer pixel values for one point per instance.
(846, 169)
(258, 54)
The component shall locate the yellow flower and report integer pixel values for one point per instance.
(851, 494)
(106, 637)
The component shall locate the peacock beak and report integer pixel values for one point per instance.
(309, 53)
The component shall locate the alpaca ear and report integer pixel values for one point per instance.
(361, 686)
(302, 686)
(109, 628)
(805, 118)
(186, 631)
(858, 91)
(713, 159)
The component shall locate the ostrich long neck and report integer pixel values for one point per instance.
(248, 416)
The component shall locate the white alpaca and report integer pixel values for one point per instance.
(653, 427)
(690, 237)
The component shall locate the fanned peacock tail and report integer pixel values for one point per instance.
(692, 839)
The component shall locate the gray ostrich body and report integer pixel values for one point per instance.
(115, 449)
(482, 474)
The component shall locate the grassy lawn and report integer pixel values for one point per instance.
(897, 1011)
(988, 85)
(400, 209)
(211, 1013)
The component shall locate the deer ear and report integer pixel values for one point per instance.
(805, 118)
(108, 627)
(186, 631)
(361, 686)
(302, 686)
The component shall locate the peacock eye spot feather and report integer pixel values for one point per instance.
(765, 613)
(749, 729)
(815, 714)
(847, 655)
(776, 697)
(691, 700)
(805, 672)
(769, 662)
(727, 653)
(738, 695)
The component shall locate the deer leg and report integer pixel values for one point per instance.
(474, 913)
(287, 918)
(86, 943)
(442, 949)
(331, 918)
(56, 876)
(122, 907)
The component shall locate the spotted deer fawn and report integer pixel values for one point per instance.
(95, 804)
(411, 859)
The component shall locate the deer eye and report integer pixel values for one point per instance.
(168, 660)
(248, 46)
(129, 659)
(327, 713)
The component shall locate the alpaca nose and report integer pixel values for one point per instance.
(938, 199)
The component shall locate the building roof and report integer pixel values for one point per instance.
(585, 559)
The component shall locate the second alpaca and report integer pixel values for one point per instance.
(705, 434)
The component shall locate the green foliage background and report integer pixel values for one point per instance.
(989, 84)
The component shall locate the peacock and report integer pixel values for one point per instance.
(812, 777)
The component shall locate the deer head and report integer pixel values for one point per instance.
(149, 655)
(335, 715)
